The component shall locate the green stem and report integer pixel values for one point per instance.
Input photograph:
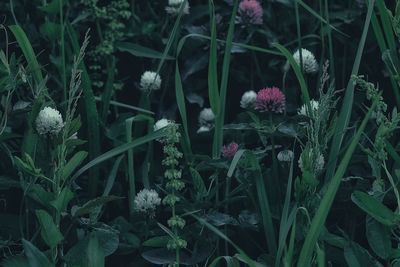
(64, 77)
(274, 163)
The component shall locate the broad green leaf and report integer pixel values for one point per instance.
(49, 231)
(357, 256)
(95, 254)
(198, 183)
(53, 7)
(62, 200)
(35, 257)
(378, 236)
(72, 164)
(375, 208)
(157, 241)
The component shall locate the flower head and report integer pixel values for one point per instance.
(285, 156)
(230, 150)
(250, 12)
(174, 6)
(161, 124)
(270, 100)
(49, 121)
(304, 111)
(248, 99)
(311, 160)
(206, 117)
(150, 81)
(310, 64)
(147, 201)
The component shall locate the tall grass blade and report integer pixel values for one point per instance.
(220, 118)
(345, 112)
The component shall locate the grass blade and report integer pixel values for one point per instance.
(213, 91)
(345, 112)
(220, 115)
(118, 150)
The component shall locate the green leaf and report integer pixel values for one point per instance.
(378, 237)
(16, 261)
(37, 193)
(157, 241)
(375, 209)
(357, 256)
(36, 258)
(90, 206)
(95, 254)
(49, 231)
(53, 7)
(198, 183)
(108, 238)
(141, 51)
(118, 150)
(62, 200)
(28, 52)
(72, 164)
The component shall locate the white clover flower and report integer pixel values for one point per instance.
(203, 129)
(174, 7)
(315, 161)
(49, 121)
(310, 64)
(206, 117)
(248, 99)
(314, 107)
(161, 124)
(147, 201)
(150, 81)
(285, 155)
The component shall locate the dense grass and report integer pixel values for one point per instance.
(199, 133)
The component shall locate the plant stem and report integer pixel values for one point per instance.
(64, 77)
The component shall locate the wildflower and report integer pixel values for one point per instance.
(147, 201)
(250, 12)
(304, 110)
(161, 124)
(270, 100)
(310, 64)
(49, 121)
(150, 81)
(174, 6)
(248, 99)
(310, 160)
(206, 117)
(230, 150)
(285, 156)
